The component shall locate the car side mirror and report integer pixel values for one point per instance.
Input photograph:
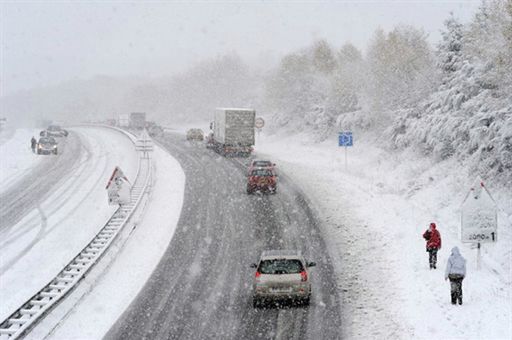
(254, 265)
(311, 264)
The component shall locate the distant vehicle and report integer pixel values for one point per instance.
(154, 129)
(56, 131)
(110, 122)
(262, 180)
(281, 275)
(195, 134)
(46, 146)
(258, 164)
(233, 131)
(123, 121)
(137, 120)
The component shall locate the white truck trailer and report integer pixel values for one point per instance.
(233, 131)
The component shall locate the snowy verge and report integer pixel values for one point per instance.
(89, 312)
(373, 213)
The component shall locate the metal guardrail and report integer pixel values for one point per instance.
(35, 308)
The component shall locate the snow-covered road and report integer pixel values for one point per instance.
(64, 216)
(91, 309)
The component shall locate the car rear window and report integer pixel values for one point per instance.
(262, 163)
(262, 172)
(280, 266)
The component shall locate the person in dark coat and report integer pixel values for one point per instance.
(433, 239)
(33, 143)
(456, 272)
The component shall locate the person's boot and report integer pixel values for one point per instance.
(454, 299)
(460, 300)
(434, 265)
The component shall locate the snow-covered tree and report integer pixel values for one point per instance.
(399, 66)
(470, 115)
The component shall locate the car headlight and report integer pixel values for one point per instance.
(55, 146)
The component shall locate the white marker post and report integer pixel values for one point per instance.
(479, 218)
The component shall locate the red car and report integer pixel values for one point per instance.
(262, 179)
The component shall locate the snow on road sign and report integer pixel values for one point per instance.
(259, 123)
(479, 215)
(118, 188)
(345, 139)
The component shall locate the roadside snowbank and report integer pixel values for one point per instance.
(110, 287)
(385, 283)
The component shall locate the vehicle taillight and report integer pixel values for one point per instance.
(258, 274)
(304, 275)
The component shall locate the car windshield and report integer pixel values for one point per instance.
(261, 163)
(280, 266)
(262, 172)
(53, 128)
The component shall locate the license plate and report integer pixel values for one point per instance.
(281, 290)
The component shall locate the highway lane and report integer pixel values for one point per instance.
(201, 288)
(33, 188)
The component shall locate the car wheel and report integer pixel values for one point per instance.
(256, 303)
(55, 152)
(305, 301)
(249, 191)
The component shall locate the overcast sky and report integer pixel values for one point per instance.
(44, 43)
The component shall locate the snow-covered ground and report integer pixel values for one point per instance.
(374, 214)
(35, 249)
(16, 158)
(109, 288)
(373, 211)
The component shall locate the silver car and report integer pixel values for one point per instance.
(195, 134)
(281, 275)
(46, 146)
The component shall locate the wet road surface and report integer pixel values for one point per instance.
(201, 288)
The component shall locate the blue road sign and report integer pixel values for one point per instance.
(345, 139)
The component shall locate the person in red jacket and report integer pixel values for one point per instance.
(433, 238)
